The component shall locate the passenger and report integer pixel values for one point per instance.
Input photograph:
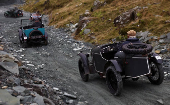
(36, 23)
(131, 39)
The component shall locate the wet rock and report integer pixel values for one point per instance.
(8, 99)
(160, 101)
(70, 96)
(10, 66)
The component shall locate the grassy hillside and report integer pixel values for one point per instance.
(151, 17)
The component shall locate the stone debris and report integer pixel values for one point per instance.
(20, 86)
(160, 101)
(70, 95)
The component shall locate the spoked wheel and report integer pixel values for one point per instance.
(85, 77)
(5, 14)
(114, 81)
(157, 74)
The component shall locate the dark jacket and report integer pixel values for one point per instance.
(37, 24)
(129, 40)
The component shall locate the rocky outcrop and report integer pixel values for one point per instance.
(126, 17)
(97, 4)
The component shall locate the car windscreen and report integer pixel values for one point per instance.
(26, 22)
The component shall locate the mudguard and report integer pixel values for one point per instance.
(156, 58)
(116, 65)
(85, 62)
(46, 35)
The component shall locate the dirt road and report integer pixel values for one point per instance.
(57, 64)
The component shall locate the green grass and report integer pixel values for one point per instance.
(62, 12)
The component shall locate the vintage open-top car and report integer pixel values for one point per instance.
(133, 61)
(29, 34)
(13, 12)
(35, 16)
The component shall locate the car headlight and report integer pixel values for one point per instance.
(158, 57)
(25, 37)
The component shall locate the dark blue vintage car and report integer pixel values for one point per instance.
(29, 35)
(133, 61)
(13, 12)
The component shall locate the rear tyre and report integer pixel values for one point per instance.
(157, 74)
(46, 42)
(85, 77)
(114, 81)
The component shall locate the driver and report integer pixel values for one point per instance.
(36, 23)
(131, 38)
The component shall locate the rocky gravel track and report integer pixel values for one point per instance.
(57, 64)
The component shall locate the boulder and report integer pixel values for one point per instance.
(8, 99)
(10, 66)
(38, 99)
(125, 17)
(82, 23)
(163, 36)
(168, 35)
(97, 4)
(86, 31)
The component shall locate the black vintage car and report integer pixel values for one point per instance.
(133, 61)
(13, 12)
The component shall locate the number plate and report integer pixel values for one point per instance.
(35, 37)
(158, 57)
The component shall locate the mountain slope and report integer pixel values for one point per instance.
(154, 16)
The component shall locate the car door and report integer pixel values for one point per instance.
(98, 61)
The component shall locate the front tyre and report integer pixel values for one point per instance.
(114, 81)
(157, 74)
(85, 77)
(6, 15)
